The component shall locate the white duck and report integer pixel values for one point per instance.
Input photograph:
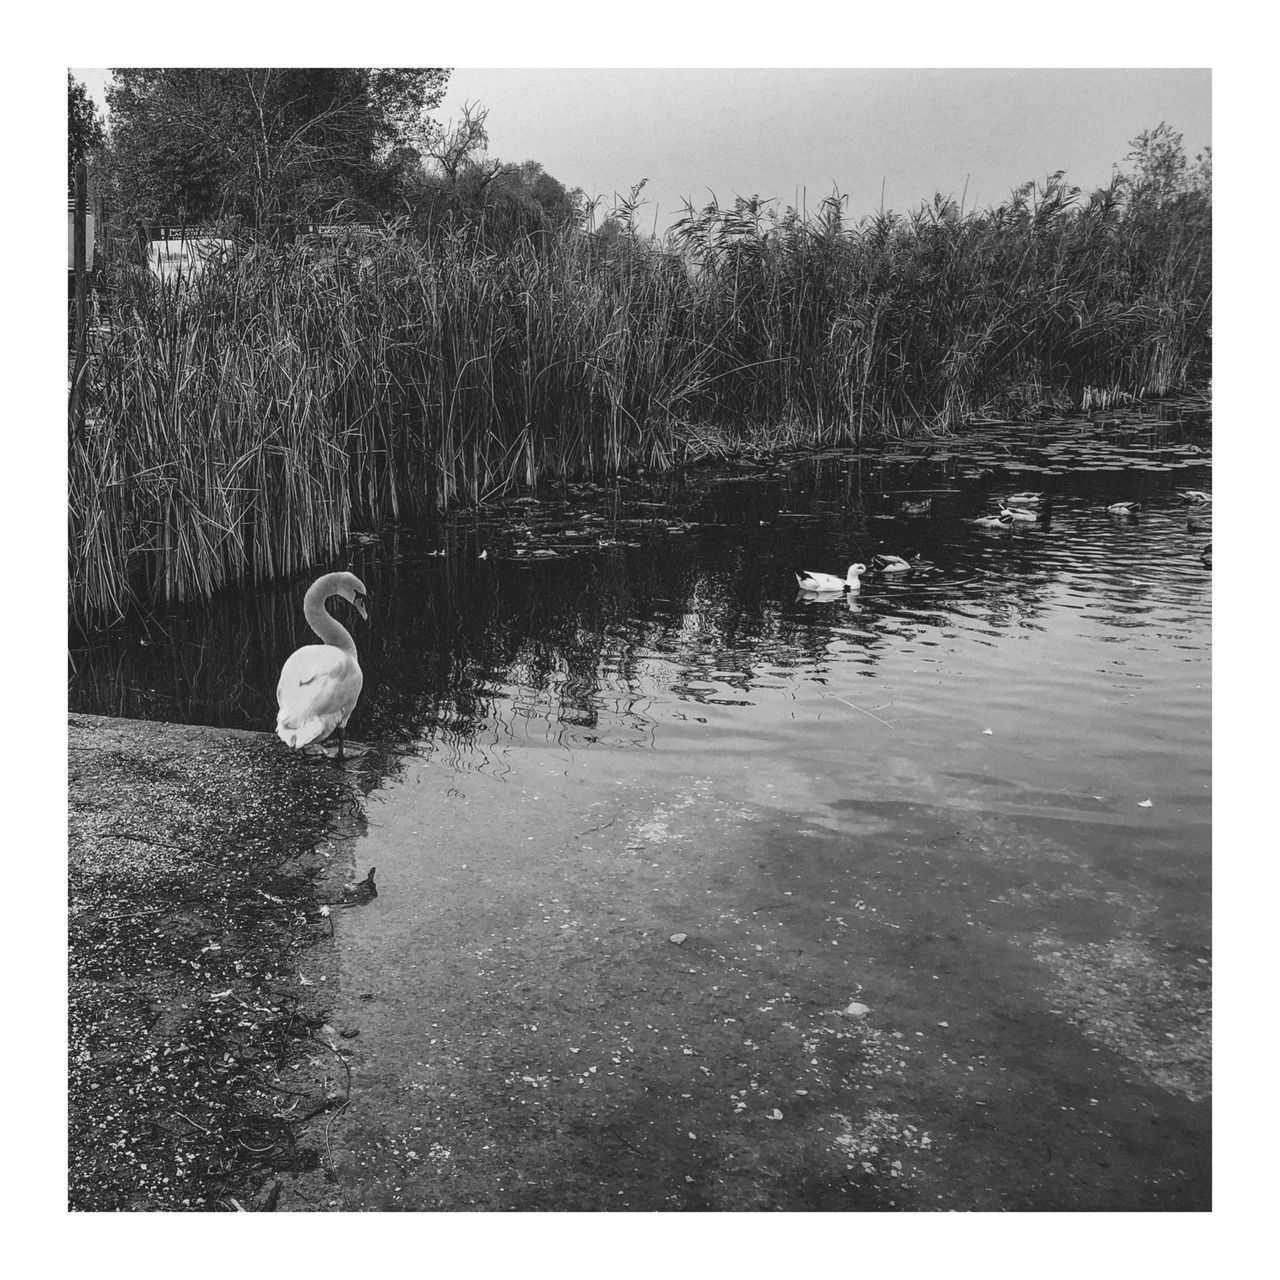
(319, 684)
(1017, 513)
(1026, 498)
(1125, 508)
(811, 581)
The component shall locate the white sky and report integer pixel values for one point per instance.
(795, 133)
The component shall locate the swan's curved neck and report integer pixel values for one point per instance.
(323, 623)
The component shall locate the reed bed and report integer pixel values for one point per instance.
(238, 425)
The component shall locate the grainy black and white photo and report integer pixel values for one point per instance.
(639, 639)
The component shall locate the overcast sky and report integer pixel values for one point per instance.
(795, 134)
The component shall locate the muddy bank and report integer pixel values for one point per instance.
(202, 1074)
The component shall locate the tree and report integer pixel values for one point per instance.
(461, 182)
(265, 142)
(85, 132)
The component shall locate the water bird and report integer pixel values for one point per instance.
(1017, 513)
(320, 683)
(1196, 496)
(364, 891)
(811, 581)
(917, 507)
(995, 522)
(890, 564)
(1025, 499)
(898, 566)
(1125, 508)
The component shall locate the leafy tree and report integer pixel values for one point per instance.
(460, 182)
(265, 142)
(533, 187)
(85, 132)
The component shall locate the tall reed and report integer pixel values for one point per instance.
(239, 424)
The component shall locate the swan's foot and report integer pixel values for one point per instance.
(338, 751)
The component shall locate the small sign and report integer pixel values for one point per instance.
(71, 240)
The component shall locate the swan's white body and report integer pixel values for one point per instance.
(811, 581)
(1026, 499)
(995, 522)
(320, 683)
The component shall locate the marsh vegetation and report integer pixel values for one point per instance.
(240, 423)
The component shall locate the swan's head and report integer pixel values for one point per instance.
(353, 589)
(856, 570)
(349, 587)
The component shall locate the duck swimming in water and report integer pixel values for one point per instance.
(1017, 513)
(1025, 499)
(897, 566)
(813, 581)
(890, 564)
(1125, 508)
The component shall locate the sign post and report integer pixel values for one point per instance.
(79, 266)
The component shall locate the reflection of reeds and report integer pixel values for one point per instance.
(238, 425)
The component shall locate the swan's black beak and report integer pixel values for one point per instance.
(360, 602)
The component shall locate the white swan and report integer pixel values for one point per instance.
(811, 581)
(1017, 513)
(319, 684)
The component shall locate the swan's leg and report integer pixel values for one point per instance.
(340, 737)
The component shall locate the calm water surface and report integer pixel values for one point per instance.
(1061, 666)
(1043, 694)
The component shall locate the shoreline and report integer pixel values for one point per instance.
(200, 966)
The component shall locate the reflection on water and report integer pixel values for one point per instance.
(1069, 651)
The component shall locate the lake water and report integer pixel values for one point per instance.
(976, 801)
